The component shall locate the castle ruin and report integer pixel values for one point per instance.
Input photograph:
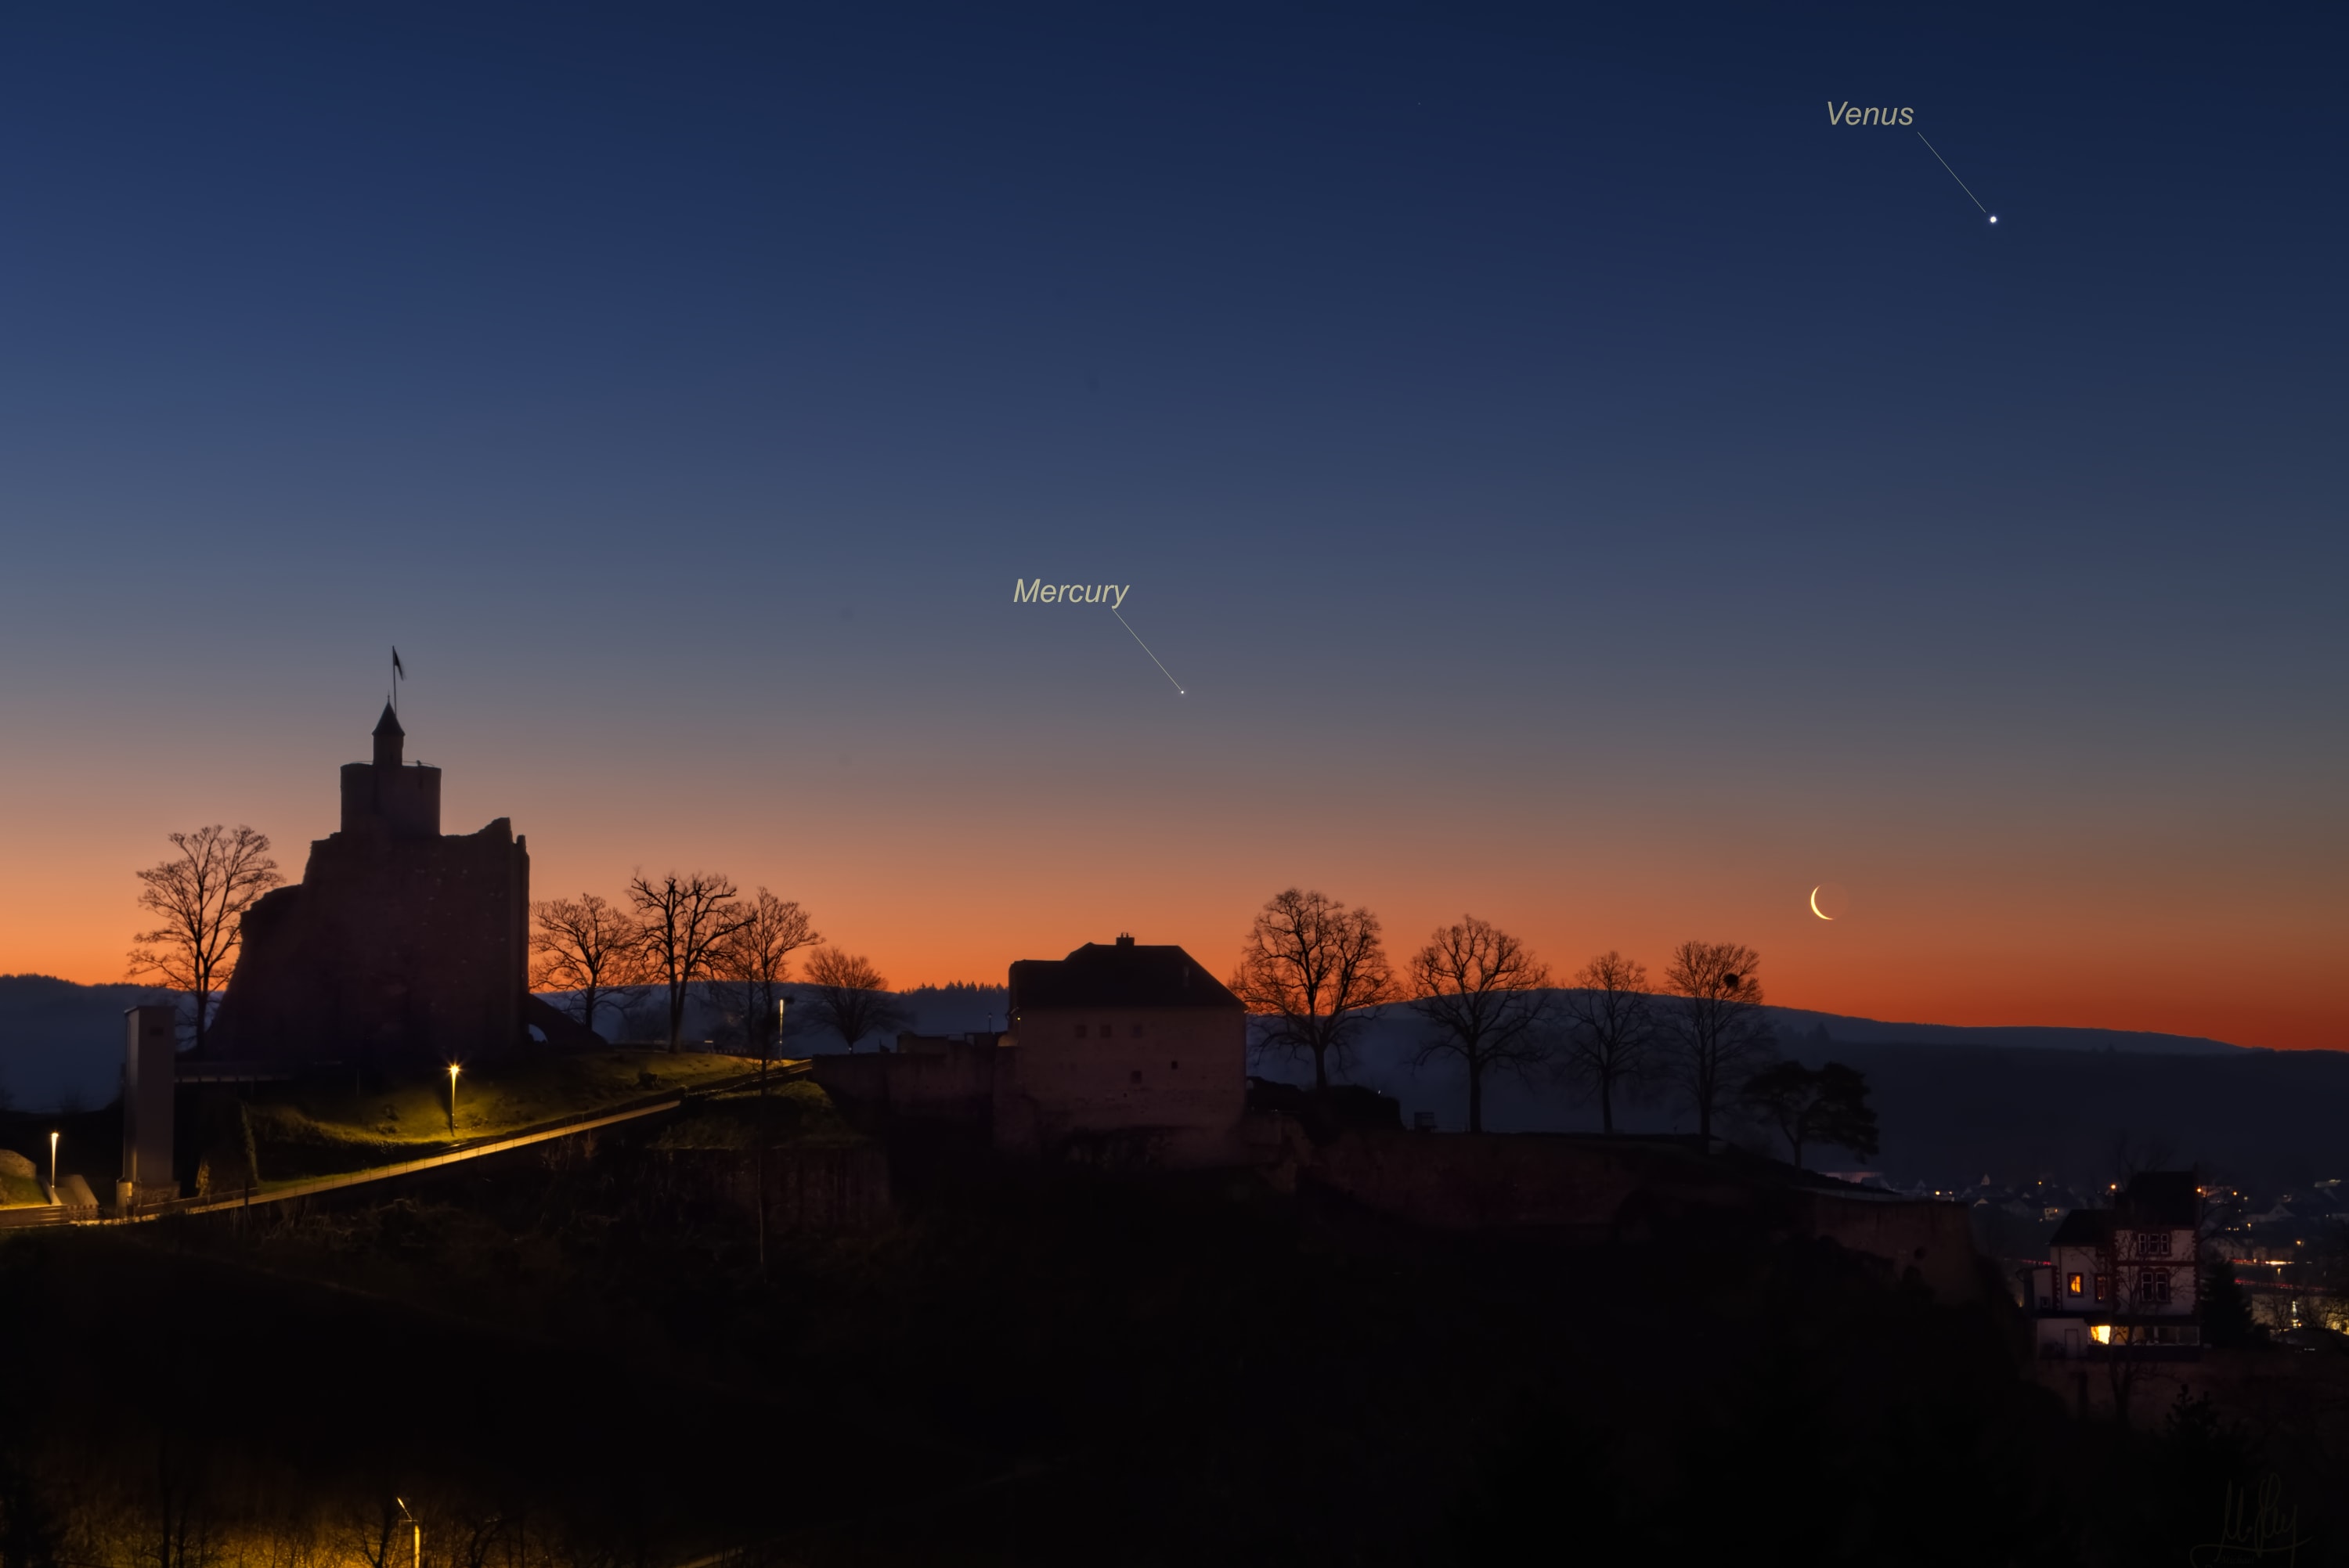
(400, 945)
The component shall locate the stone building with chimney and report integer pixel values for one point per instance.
(1119, 1053)
(1118, 1043)
(400, 944)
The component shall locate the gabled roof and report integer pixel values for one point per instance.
(1119, 975)
(2084, 1228)
(2153, 1201)
(2158, 1200)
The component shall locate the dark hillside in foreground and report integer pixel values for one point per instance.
(569, 1354)
(1037, 1371)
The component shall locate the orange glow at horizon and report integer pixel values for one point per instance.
(951, 896)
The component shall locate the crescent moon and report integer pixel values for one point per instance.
(1814, 904)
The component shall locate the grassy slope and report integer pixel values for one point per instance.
(20, 1189)
(324, 1126)
(792, 1112)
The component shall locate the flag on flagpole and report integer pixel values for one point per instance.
(394, 663)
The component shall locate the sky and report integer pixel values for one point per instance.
(1570, 480)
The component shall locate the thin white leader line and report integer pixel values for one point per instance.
(1953, 173)
(1145, 648)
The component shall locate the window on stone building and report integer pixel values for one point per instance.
(2100, 1287)
(1080, 1031)
(2153, 1286)
(1137, 1031)
(2074, 1284)
(1107, 1030)
(2153, 1244)
(1174, 1066)
(1137, 1075)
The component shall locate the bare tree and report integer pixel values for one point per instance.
(1829, 1106)
(202, 894)
(590, 947)
(1312, 964)
(851, 996)
(1714, 1024)
(683, 919)
(754, 958)
(2137, 1257)
(1610, 1034)
(1487, 998)
(376, 1535)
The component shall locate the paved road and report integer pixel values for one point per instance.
(479, 1149)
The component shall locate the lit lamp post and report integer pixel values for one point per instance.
(453, 1100)
(52, 1170)
(758, 1157)
(407, 1517)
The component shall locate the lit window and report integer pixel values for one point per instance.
(2102, 1333)
(2074, 1284)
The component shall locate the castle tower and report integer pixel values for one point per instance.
(382, 797)
(398, 944)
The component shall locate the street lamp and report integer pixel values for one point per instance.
(53, 1168)
(759, 1152)
(453, 1100)
(407, 1517)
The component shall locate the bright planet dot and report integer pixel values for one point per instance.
(1994, 217)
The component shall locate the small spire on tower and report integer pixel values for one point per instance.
(388, 738)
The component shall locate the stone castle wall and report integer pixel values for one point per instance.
(1593, 1188)
(955, 1084)
(1181, 1072)
(390, 948)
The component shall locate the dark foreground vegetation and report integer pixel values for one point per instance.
(568, 1358)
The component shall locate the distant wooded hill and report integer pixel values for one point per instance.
(1956, 1103)
(1796, 1025)
(61, 1044)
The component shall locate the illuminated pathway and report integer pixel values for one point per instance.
(565, 1128)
